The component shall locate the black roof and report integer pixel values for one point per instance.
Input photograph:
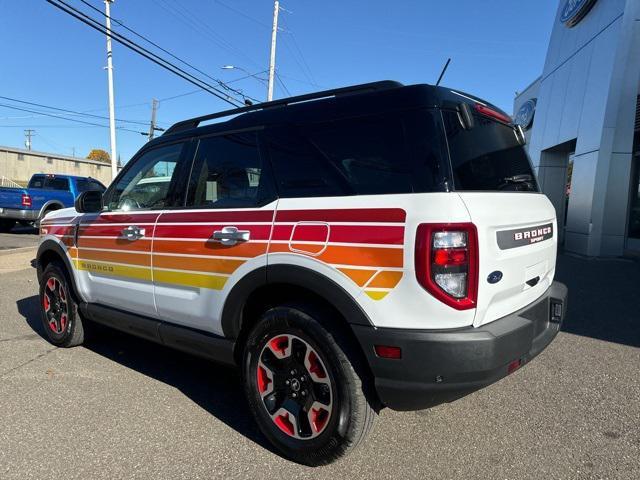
(348, 101)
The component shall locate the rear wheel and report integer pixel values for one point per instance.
(6, 225)
(304, 392)
(62, 323)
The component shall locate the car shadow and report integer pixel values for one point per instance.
(603, 297)
(215, 388)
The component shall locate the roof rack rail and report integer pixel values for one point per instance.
(194, 122)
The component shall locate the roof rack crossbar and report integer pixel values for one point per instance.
(194, 122)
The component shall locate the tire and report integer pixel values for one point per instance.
(6, 225)
(290, 344)
(61, 319)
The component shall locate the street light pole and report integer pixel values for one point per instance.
(112, 113)
(272, 59)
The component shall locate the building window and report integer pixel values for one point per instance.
(49, 160)
(21, 156)
(76, 164)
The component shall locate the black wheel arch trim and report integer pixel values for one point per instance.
(52, 246)
(309, 279)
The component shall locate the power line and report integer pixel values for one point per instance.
(192, 21)
(242, 14)
(73, 112)
(53, 115)
(146, 39)
(142, 51)
(284, 87)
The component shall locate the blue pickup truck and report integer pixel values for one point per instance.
(44, 194)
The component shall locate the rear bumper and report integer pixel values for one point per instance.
(19, 214)
(440, 366)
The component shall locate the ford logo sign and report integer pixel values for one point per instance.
(524, 117)
(574, 11)
(494, 277)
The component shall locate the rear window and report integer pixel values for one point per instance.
(372, 155)
(488, 157)
(37, 181)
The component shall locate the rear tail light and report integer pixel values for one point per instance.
(447, 262)
(26, 200)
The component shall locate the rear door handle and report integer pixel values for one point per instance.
(133, 233)
(230, 235)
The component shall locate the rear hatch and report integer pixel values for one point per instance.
(516, 225)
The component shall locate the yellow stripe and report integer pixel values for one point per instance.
(101, 268)
(376, 295)
(214, 282)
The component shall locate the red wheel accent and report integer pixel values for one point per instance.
(319, 417)
(279, 345)
(51, 284)
(63, 322)
(63, 297)
(53, 326)
(263, 379)
(285, 424)
(46, 303)
(315, 366)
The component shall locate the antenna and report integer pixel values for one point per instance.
(443, 71)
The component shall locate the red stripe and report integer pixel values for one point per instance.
(382, 215)
(256, 232)
(130, 218)
(386, 235)
(54, 230)
(217, 217)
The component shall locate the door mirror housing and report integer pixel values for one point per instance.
(89, 202)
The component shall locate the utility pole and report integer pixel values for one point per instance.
(28, 133)
(112, 113)
(272, 60)
(152, 127)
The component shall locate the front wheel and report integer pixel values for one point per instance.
(304, 392)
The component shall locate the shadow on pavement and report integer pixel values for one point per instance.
(215, 388)
(603, 298)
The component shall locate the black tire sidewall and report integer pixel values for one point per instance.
(60, 339)
(293, 321)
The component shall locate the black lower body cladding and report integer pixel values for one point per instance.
(439, 366)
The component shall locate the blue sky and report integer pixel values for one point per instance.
(47, 57)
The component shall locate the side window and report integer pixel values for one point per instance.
(300, 170)
(57, 183)
(84, 184)
(145, 185)
(228, 173)
(37, 181)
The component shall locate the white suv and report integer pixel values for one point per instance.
(378, 245)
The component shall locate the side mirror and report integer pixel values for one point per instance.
(89, 202)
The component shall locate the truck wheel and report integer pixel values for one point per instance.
(302, 389)
(60, 316)
(6, 225)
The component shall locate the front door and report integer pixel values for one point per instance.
(221, 234)
(114, 247)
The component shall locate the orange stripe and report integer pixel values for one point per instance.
(343, 255)
(142, 245)
(199, 247)
(73, 252)
(385, 280)
(212, 265)
(116, 257)
(360, 277)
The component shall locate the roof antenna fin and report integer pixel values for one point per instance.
(443, 71)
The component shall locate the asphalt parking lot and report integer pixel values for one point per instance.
(125, 408)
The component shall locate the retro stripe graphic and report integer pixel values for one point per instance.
(365, 245)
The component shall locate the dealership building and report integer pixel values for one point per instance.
(582, 121)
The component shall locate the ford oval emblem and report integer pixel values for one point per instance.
(574, 11)
(494, 277)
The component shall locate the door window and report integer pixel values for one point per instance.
(145, 186)
(228, 173)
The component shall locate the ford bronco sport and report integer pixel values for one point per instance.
(370, 246)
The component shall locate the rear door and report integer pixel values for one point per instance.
(517, 229)
(218, 236)
(114, 247)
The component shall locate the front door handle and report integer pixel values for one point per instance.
(133, 233)
(230, 235)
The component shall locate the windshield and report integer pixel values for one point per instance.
(487, 157)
